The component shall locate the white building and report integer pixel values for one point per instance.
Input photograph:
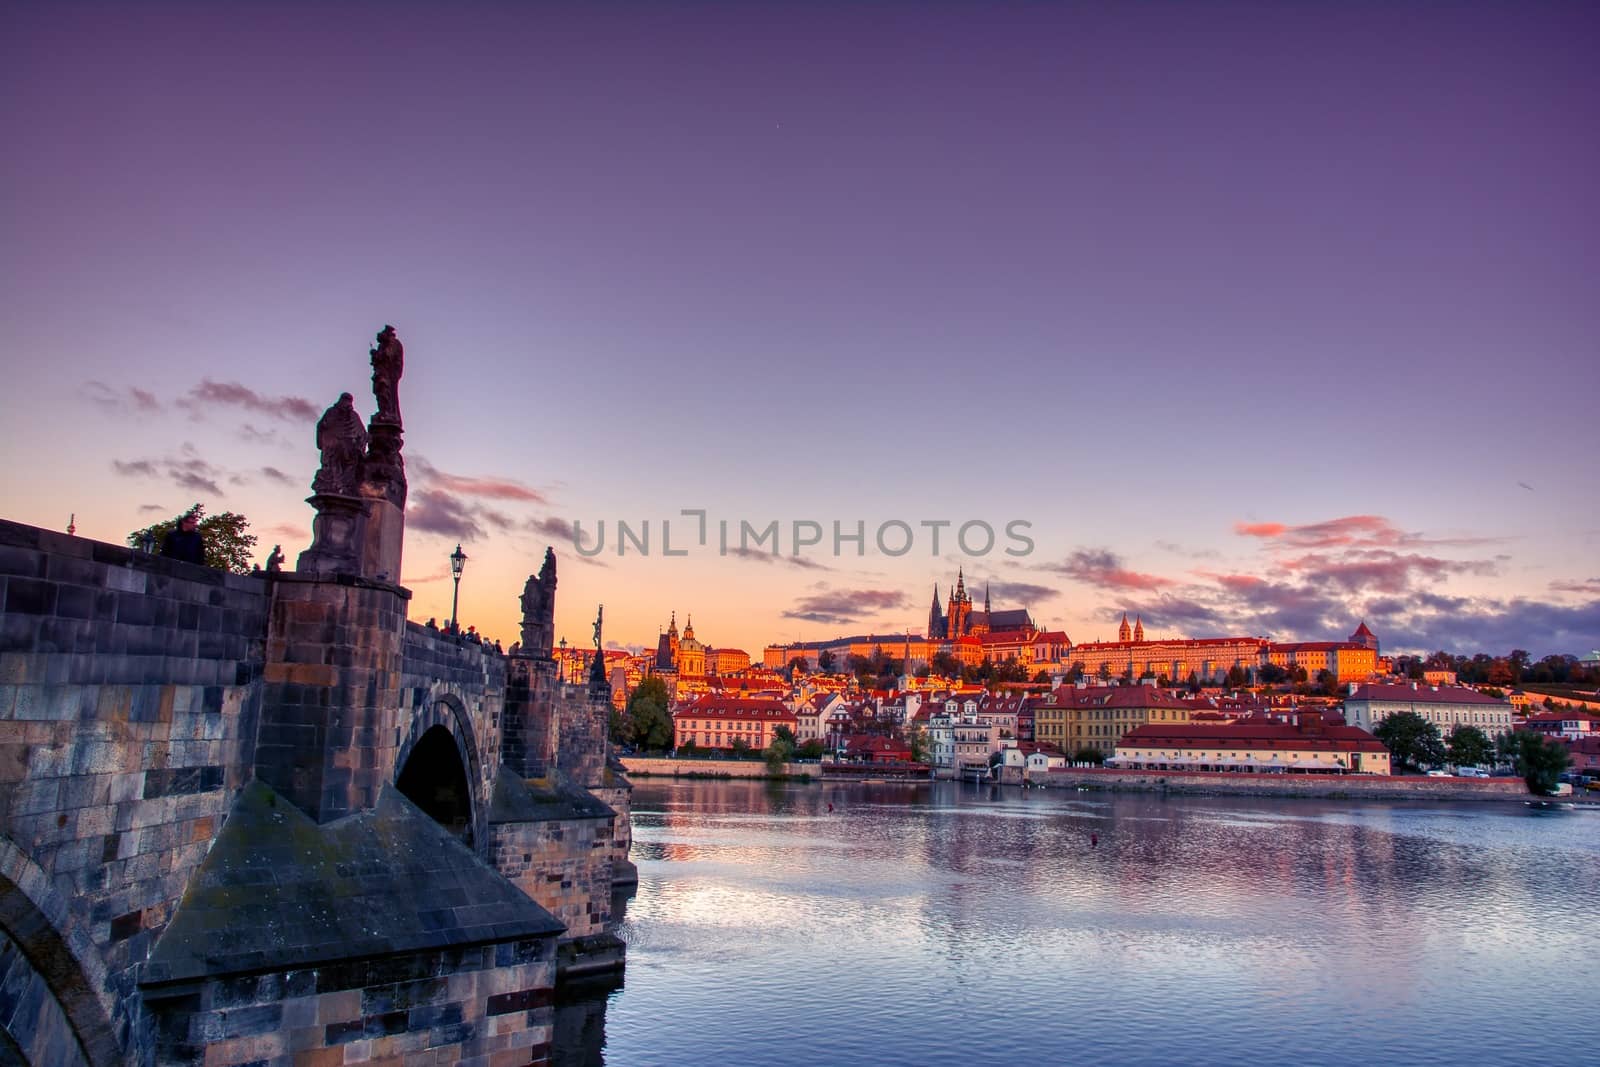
(1446, 706)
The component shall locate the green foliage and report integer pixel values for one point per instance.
(784, 734)
(778, 753)
(1042, 678)
(1540, 760)
(1237, 677)
(228, 546)
(825, 662)
(617, 726)
(945, 665)
(688, 748)
(1089, 755)
(1412, 740)
(740, 748)
(811, 750)
(648, 725)
(797, 666)
(1469, 746)
(917, 741)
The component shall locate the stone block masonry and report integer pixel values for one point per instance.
(147, 706)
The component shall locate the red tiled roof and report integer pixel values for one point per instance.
(726, 707)
(1113, 696)
(1422, 694)
(1316, 646)
(1251, 733)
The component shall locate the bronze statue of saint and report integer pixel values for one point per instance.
(388, 362)
(275, 561)
(343, 441)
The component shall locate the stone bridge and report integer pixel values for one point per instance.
(267, 819)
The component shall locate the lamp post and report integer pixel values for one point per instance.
(458, 561)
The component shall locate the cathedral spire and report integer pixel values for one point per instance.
(985, 600)
(1138, 628)
(1124, 633)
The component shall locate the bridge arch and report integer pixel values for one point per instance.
(71, 1023)
(439, 769)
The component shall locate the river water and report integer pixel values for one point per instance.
(958, 924)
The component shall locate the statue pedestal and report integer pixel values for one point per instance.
(337, 535)
(383, 487)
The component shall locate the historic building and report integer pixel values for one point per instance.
(1309, 744)
(958, 619)
(1445, 706)
(1096, 717)
(719, 721)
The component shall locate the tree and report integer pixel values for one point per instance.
(784, 734)
(617, 726)
(1328, 683)
(797, 666)
(1089, 755)
(811, 750)
(739, 747)
(1105, 673)
(825, 661)
(1412, 740)
(1540, 760)
(1469, 746)
(1042, 678)
(228, 546)
(945, 665)
(1236, 677)
(777, 753)
(1272, 674)
(649, 726)
(917, 741)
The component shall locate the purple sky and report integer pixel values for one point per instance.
(1146, 276)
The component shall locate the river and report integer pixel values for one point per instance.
(963, 925)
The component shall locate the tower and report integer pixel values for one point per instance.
(1138, 629)
(1124, 634)
(935, 617)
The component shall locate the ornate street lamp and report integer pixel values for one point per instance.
(458, 561)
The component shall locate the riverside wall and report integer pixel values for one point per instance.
(656, 767)
(1339, 787)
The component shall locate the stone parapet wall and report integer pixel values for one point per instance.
(617, 794)
(1373, 787)
(564, 865)
(478, 1004)
(129, 696)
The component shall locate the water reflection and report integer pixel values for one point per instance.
(958, 924)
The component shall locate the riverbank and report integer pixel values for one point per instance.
(1319, 786)
(658, 767)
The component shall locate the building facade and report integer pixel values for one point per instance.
(1443, 705)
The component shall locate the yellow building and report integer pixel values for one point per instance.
(1347, 662)
(1207, 658)
(1097, 717)
(726, 660)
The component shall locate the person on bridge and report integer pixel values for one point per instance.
(185, 541)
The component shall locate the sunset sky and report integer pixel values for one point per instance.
(1266, 317)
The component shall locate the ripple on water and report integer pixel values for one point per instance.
(954, 926)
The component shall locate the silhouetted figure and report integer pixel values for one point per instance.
(1094, 840)
(184, 542)
(275, 561)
